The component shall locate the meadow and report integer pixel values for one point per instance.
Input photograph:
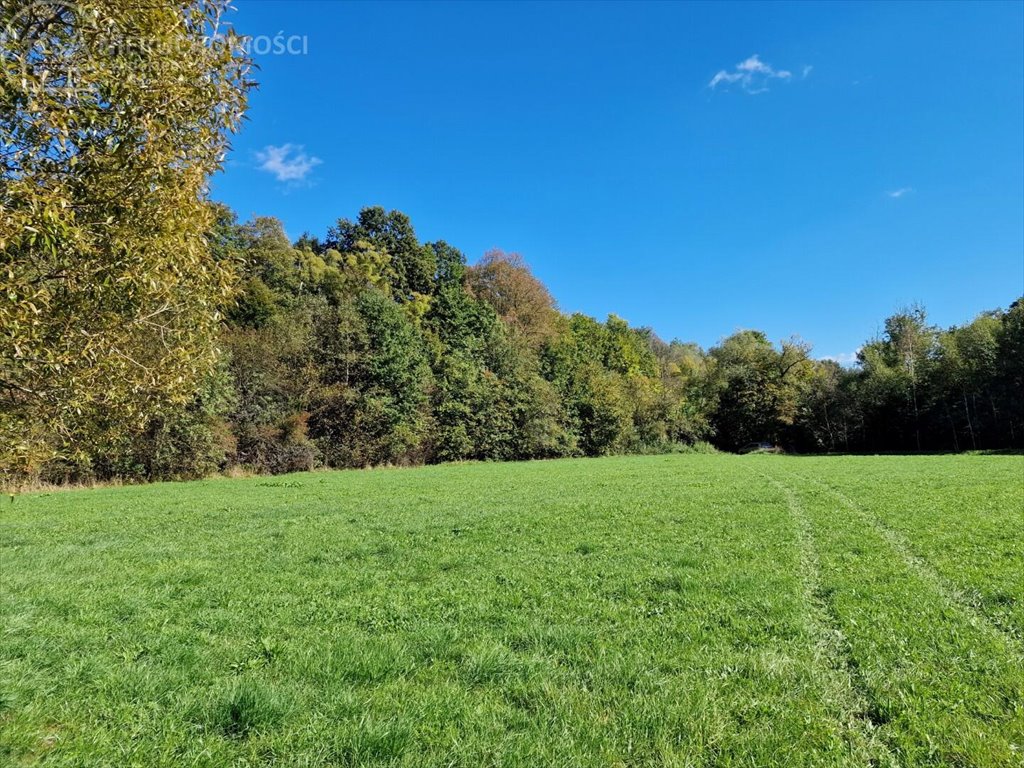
(682, 610)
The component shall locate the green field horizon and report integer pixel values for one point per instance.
(677, 610)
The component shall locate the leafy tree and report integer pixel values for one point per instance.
(1009, 373)
(114, 114)
(413, 265)
(577, 360)
(688, 392)
(964, 370)
(270, 257)
(275, 378)
(489, 400)
(910, 342)
(375, 377)
(628, 350)
(505, 282)
(827, 412)
(190, 442)
(759, 388)
(895, 369)
(601, 409)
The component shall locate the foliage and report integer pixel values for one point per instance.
(759, 388)
(370, 347)
(128, 299)
(331, 361)
(412, 265)
(113, 115)
(504, 281)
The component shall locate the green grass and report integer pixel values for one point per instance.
(683, 610)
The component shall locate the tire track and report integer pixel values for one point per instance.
(832, 649)
(950, 592)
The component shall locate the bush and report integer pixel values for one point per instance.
(282, 447)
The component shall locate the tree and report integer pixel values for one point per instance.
(1009, 373)
(413, 265)
(374, 384)
(688, 391)
(601, 410)
(114, 114)
(522, 301)
(759, 388)
(489, 400)
(827, 411)
(896, 367)
(910, 341)
(963, 372)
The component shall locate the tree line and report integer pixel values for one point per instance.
(145, 333)
(369, 347)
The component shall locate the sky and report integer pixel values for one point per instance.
(803, 169)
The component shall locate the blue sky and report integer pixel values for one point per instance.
(697, 168)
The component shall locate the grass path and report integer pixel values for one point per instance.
(834, 655)
(965, 524)
(945, 685)
(992, 624)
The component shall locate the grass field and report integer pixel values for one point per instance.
(665, 610)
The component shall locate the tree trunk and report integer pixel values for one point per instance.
(917, 418)
(995, 417)
(952, 426)
(970, 425)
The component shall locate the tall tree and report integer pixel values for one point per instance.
(505, 282)
(963, 373)
(1009, 374)
(376, 379)
(413, 265)
(759, 388)
(896, 367)
(113, 115)
(687, 389)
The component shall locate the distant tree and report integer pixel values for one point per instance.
(413, 265)
(601, 408)
(588, 363)
(307, 242)
(827, 411)
(1009, 371)
(963, 373)
(187, 443)
(628, 350)
(375, 379)
(489, 400)
(688, 391)
(450, 264)
(911, 342)
(759, 388)
(269, 255)
(274, 377)
(505, 282)
(896, 367)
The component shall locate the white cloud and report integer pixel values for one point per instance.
(752, 75)
(898, 193)
(806, 71)
(843, 358)
(287, 162)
